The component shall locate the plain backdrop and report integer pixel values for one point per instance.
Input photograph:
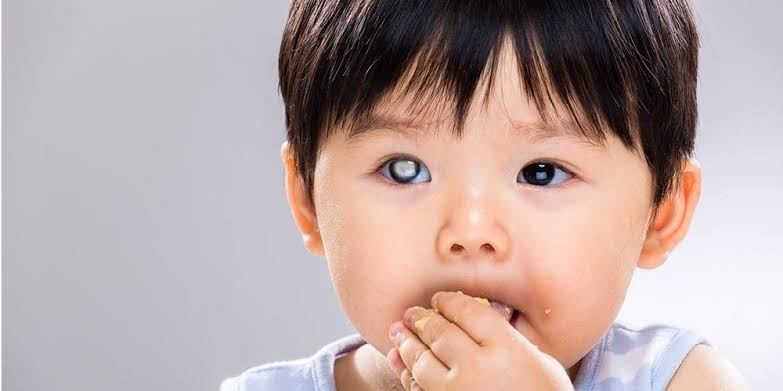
(148, 242)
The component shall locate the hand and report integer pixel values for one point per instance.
(465, 345)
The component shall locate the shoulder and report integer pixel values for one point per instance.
(706, 369)
(294, 374)
(315, 372)
(639, 358)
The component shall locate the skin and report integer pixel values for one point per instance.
(562, 254)
(467, 346)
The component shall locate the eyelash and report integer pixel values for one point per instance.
(403, 156)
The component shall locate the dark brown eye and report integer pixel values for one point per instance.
(543, 174)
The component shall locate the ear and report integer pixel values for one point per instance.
(673, 219)
(301, 209)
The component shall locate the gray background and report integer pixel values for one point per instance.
(146, 225)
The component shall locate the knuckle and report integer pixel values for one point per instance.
(470, 309)
(437, 326)
(448, 300)
(406, 376)
(416, 355)
(416, 370)
(474, 362)
(452, 379)
(419, 364)
(452, 299)
(437, 344)
(462, 307)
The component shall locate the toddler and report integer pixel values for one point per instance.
(483, 178)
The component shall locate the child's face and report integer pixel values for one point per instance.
(563, 254)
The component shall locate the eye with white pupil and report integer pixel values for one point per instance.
(404, 170)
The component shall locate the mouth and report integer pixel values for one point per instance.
(513, 320)
(508, 312)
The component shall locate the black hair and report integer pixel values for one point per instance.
(626, 66)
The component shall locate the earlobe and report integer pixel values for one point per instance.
(302, 210)
(674, 217)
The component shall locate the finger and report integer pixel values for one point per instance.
(419, 360)
(427, 372)
(406, 378)
(447, 340)
(395, 362)
(479, 321)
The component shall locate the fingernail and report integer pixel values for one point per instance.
(409, 313)
(398, 338)
(395, 329)
(435, 300)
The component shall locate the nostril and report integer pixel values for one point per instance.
(457, 248)
(487, 247)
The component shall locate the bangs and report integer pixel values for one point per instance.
(609, 65)
(579, 54)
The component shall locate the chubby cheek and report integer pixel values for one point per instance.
(587, 307)
(375, 267)
(584, 282)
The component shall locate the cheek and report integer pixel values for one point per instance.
(583, 266)
(596, 260)
(373, 255)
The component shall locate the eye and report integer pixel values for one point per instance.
(544, 173)
(404, 169)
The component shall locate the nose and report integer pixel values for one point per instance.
(474, 231)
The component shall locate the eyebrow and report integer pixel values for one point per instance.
(375, 123)
(537, 131)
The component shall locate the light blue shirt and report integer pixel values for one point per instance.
(625, 358)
